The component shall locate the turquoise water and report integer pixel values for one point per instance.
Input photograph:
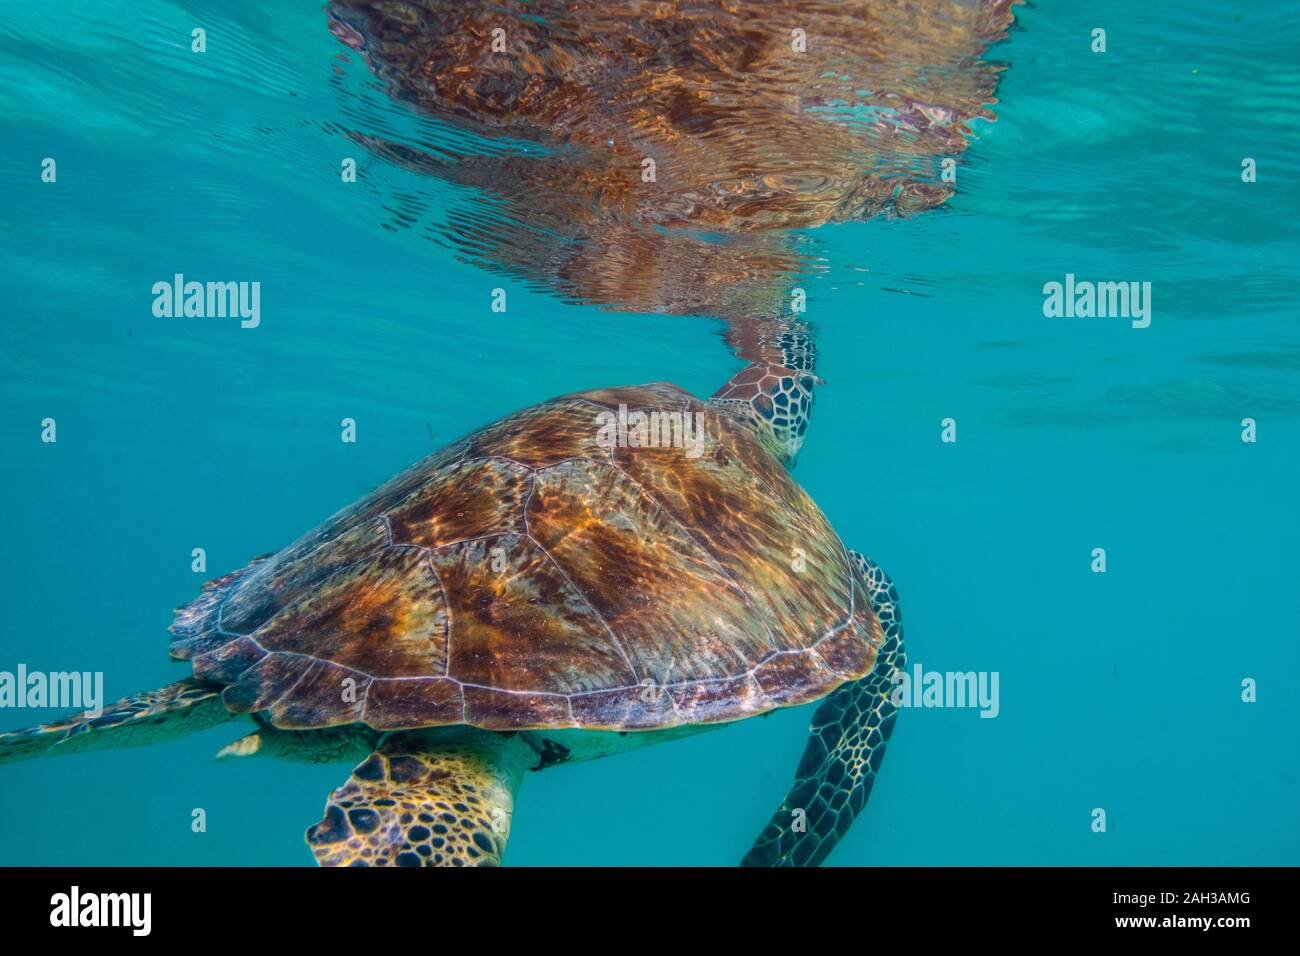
(1119, 690)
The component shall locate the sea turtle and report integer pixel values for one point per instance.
(601, 571)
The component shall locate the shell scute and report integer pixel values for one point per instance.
(519, 625)
(561, 429)
(327, 694)
(644, 574)
(761, 527)
(469, 499)
(297, 570)
(409, 704)
(639, 707)
(492, 707)
(383, 615)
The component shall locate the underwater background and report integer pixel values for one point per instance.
(1119, 691)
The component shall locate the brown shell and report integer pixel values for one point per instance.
(530, 576)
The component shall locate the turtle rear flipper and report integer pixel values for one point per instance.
(173, 711)
(425, 799)
(845, 748)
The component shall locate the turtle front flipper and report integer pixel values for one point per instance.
(184, 707)
(845, 748)
(426, 798)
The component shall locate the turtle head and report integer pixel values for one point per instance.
(773, 400)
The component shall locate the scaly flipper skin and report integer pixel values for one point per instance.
(845, 748)
(426, 799)
(178, 709)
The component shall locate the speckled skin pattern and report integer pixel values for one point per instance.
(446, 801)
(172, 711)
(530, 577)
(845, 748)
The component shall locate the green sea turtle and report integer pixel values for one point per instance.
(601, 571)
